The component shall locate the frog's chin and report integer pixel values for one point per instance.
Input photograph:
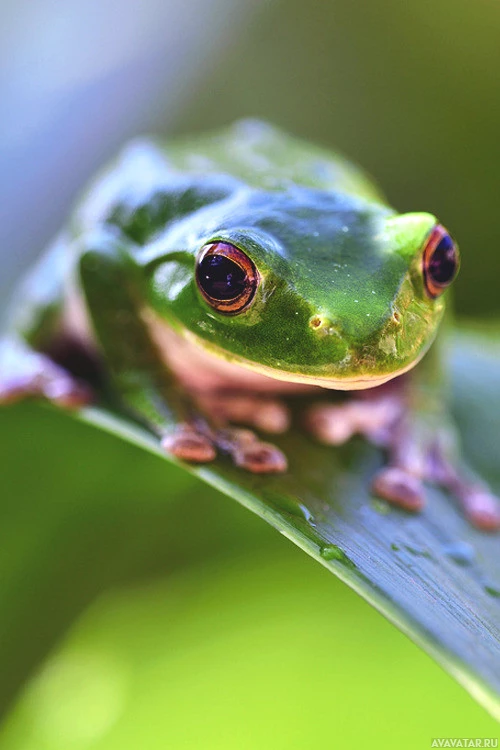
(203, 366)
(346, 383)
(354, 383)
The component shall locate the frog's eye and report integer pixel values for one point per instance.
(441, 261)
(226, 277)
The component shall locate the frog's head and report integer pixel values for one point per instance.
(307, 286)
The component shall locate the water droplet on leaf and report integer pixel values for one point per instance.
(460, 552)
(332, 552)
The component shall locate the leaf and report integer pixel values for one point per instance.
(432, 575)
(82, 513)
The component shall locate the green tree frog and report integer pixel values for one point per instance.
(208, 283)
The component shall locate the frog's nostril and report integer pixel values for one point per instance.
(396, 317)
(316, 322)
(323, 326)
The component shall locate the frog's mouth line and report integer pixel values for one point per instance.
(195, 360)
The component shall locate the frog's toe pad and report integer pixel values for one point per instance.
(260, 458)
(189, 445)
(250, 453)
(482, 508)
(399, 488)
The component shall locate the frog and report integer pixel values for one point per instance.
(210, 282)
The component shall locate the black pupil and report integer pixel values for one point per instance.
(221, 278)
(443, 263)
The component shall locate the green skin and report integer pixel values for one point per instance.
(341, 302)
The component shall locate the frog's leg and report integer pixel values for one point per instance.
(405, 418)
(26, 373)
(34, 328)
(112, 285)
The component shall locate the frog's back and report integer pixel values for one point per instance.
(264, 156)
(152, 183)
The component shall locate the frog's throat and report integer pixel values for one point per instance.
(210, 354)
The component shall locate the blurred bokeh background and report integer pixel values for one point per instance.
(173, 618)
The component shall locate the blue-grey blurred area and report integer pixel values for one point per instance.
(76, 80)
(409, 90)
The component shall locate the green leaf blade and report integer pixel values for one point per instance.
(432, 575)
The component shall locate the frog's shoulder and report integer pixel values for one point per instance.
(264, 156)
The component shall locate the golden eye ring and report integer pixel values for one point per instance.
(226, 277)
(440, 261)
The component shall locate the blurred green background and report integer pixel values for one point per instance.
(138, 607)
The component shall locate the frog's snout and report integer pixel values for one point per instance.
(324, 326)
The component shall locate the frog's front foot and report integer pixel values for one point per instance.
(412, 462)
(200, 444)
(25, 373)
(417, 453)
